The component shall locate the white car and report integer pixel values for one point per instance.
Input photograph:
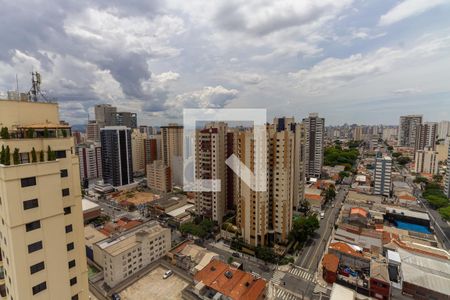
(322, 215)
(167, 274)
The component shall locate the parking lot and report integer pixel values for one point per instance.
(153, 286)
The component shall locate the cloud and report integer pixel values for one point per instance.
(249, 78)
(407, 91)
(407, 9)
(207, 97)
(332, 73)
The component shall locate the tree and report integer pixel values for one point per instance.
(330, 193)
(303, 228)
(41, 156)
(396, 154)
(64, 133)
(50, 154)
(390, 148)
(445, 212)
(7, 156)
(266, 254)
(420, 179)
(33, 155)
(16, 157)
(305, 207)
(30, 133)
(437, 178)
(403, 160)
(46, 133)
(2, 155)
(4, 133)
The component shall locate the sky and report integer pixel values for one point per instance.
(352, 61)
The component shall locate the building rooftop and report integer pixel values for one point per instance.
(359, 211)
(379, 271)
(407, 212)
(347, 249)
(181, 210)
(231, 282)
(340, 292)
(92, 236)
(432, 274)
(88, 205)
(330, 262)
(117, 245)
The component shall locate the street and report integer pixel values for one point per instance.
(300, 278)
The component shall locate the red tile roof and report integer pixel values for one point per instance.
(330, 262)
(240, 285)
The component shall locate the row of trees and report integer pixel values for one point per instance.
(435, 196)
(5, 155)
(335, 155)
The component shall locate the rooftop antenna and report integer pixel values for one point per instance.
(35, 86)
(17, 84)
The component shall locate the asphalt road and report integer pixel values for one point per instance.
(300, 281)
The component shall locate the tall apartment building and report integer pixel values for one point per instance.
(152, 148)
(266, 217)
(210, 156)
(125, 255)
(426, 136)
(117, 161)
(358, 133)
(314, 144)
(172, 151)
(104, 115)
(93, 131)
(447, 176)
(443, 129)
(42, 236)
(426, 161)
(382, 175)
(390, 133)
(407, 130)
(138, 151)
(159, 177)
(127, 119)
(252, 207)
(90, 155)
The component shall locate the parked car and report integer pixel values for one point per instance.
(322, 215)
(236, 254)
(167, 274)
(115, 296)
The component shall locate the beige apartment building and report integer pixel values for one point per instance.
(211, 153)
(123, 256)
(138, 150)
(159, 177)
(426, 161)
(172, 151)
(266, 217)
(41, 228)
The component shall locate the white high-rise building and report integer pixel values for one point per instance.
(90, 155)
(426, 161)
(447, 177)
(314, 144)
(443, 130)
(407, 130)
(383, 176)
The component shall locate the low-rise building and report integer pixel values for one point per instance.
(191, 257)
(91, 210)
(159, 177)
(217, 280)
(124, 255)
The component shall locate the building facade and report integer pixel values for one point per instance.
(447, 176)
(152, 148)
(117, 161)
(127, 119)
(172, 150)
(426, 136)
(408, 129)
(210, 156)
(314, 145)
(93, 131)
(443, 129)
(138, 151)
(42, 244)
(383, 176)
(124, 255)
(159, 177)
(104, 115)
(426, 161)
(90, 155)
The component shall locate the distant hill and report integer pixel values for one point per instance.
(79, 127)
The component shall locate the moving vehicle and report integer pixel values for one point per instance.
(322, 215)
(167, 274)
